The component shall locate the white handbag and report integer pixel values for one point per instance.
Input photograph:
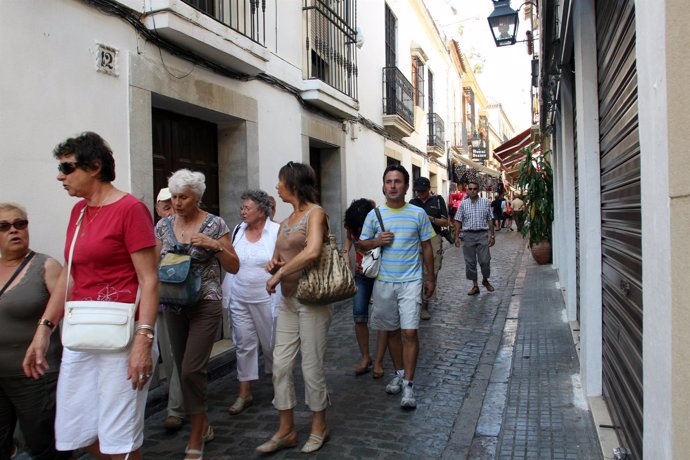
(371, 261)
(96, 326)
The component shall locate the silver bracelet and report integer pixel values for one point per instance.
(144, 326)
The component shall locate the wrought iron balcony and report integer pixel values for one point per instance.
(436, 132)
(398, 104)
(331, 43)
(248, 17)
(458, 137)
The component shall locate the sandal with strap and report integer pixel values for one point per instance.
(363, 369)
(315, 442)
(188, 452)
(240, 405)
(278, 442)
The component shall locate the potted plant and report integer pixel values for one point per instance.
(536, 182)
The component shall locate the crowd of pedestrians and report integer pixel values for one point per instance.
(114, 251)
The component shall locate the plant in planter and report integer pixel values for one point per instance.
(536, 182)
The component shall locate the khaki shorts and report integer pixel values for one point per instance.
(396, 305)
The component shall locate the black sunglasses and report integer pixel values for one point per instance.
(18, 224)
(67, 168)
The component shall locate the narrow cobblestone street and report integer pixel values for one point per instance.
(494, 380)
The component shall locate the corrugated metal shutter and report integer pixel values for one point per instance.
(620, 219)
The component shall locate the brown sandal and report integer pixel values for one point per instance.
(364, 369)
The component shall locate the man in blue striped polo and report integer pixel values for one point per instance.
(397, 296)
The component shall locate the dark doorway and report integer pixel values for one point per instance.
(185, 142)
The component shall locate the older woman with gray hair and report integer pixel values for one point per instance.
(192, 328)
(250, 305)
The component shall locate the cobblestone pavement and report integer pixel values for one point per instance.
(463, 383)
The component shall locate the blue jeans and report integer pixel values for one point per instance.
(360, 304)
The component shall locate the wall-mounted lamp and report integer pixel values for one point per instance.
(504, 22)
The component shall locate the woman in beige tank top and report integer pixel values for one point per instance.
(299, 327)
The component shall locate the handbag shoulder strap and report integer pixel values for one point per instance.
(234, 232)
(171, 230)
(16, 273)
(378, 216)
(71, 253)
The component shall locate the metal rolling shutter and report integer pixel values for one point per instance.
(620, 219)
(577, 197)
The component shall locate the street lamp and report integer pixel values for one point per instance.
(504, 23)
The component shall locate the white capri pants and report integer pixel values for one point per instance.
(95, 401)
(253, 325)
(301, 328)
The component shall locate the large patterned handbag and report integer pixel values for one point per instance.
(327, 279)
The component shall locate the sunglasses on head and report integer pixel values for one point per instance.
(18, 224)
(67, 167)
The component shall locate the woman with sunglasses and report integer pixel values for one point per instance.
(101, 397)
(27, 279)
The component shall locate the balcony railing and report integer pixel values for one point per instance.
(331, 40)
(458, 134)
(248, 17)
(436, 131)
(397, 95)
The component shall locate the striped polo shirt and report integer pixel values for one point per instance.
(401, 261)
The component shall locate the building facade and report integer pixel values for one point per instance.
(612, 96)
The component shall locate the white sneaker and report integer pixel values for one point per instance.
(395, 385)
(408, 400)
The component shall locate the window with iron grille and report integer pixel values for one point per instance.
(418, 81)
(330, 43)
(247, 17)
(391, 28)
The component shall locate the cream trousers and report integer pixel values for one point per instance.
(301, 328)
(252, 325)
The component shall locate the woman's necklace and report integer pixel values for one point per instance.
(92, 218)
(184, 227)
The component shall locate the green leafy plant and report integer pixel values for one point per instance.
(536, 182)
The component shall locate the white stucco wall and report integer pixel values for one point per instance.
(50, 92)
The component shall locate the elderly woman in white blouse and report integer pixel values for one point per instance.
(250, 305)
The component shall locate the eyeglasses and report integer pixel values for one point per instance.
(246, 209)
(472, 188)
(67, 168)
(18, 224)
